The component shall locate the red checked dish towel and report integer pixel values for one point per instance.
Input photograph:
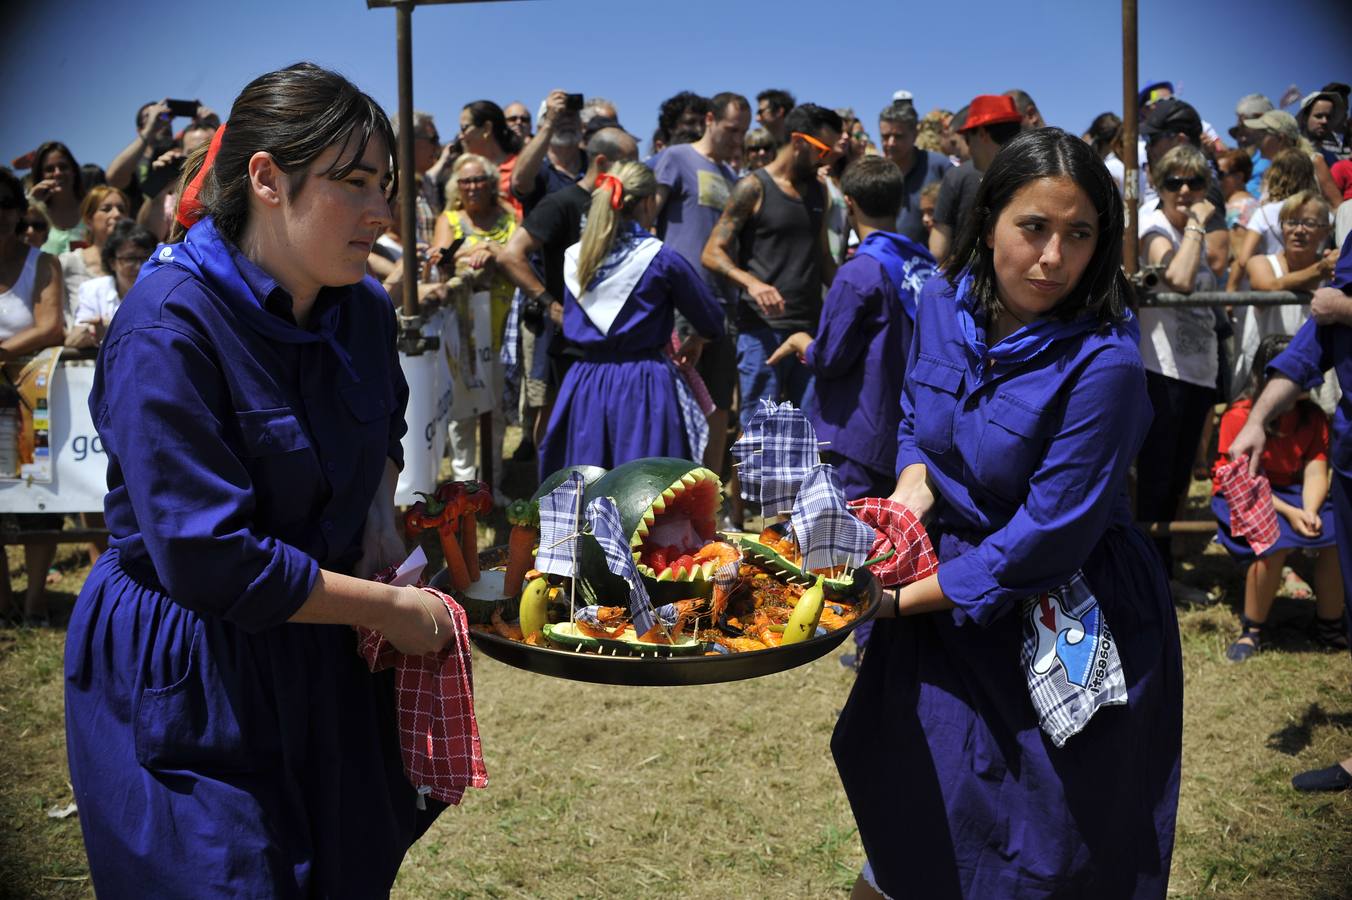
(897, 529)
(434, 696)
(1252, 515)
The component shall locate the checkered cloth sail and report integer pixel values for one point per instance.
(604, 520)
(1070, 659)
(1252, 515)
(777, 449)
(510, 357)
(560, 527)
(826, 531)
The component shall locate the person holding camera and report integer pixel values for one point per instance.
(153, 160)
(553, 158)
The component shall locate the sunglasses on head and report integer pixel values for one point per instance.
(1175, 183)
(823, 150)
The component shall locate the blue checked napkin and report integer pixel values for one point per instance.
(604, 520)
(1069, 659)
(779, 446)
(826, 531)
(560, 527)
(692, 416)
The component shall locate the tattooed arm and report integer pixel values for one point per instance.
(744, 203)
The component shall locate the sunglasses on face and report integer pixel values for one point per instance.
(472, 181)
(525, 119)
(1308, 224)
(129, 259)
(1174, 183)
(31, 225)
(760, 148)
(823, 150)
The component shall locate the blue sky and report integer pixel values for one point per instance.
(76, 70)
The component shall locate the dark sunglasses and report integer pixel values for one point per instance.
(34, 224)
(1174, 183)
(473, 180)
(518, 119)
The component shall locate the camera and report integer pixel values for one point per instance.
(573, 102)
(534, 310)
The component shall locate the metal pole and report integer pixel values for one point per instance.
(408, 185)
(1228, 298)
(1131, 192)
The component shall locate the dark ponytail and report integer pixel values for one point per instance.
(293, 114)
(487, 112)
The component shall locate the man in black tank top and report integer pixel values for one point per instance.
(771, 243)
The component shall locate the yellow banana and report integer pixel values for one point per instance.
(534, 601)
(807, 611)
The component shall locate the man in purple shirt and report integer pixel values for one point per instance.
(864, 336)
(694, 182)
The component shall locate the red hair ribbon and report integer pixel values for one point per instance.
(606, 180)
(189, 207)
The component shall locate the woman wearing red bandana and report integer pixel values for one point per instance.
(224, 736)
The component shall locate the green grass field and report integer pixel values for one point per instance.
(734, 793)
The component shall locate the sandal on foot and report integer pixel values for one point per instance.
(1334, 778)
(1239, 650)
(1331, 633)
(1296, 587)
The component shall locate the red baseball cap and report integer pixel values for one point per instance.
(990, 109)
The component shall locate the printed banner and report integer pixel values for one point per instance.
(79, 467)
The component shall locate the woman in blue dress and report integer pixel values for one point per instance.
(624, 399)
(1023, 408)
(224, 737)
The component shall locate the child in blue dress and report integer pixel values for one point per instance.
(1023, 408)
(224, 737)
(624, 399)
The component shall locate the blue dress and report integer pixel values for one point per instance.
(620, 402)
(214, 748)
(1313, 351)
(956, 790)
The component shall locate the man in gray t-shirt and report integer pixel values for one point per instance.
(898, 126)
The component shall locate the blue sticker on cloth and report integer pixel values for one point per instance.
(1070, 659)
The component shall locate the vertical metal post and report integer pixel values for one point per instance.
(408, 185)
(1131, 193)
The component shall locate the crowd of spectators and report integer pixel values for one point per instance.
(749, 193)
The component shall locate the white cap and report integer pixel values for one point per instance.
(902, 95)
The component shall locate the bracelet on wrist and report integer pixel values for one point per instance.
(896, 603)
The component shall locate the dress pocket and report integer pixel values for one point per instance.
(936, 385)
(192, 723)
(1010, 447)
(269, 431)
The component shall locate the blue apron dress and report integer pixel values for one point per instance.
(956, 790)
(214, 748)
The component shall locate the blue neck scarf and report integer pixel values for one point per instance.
(907, 264)
(1022, 345)
(244, 287)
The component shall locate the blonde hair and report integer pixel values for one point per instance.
(603, 221)
(1291, 172)
(453, 199)
(94, 199)
(1292, 204)
(1185, 161)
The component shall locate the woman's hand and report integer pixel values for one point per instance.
(1201, 211)
(82, 336)
(417, 623)
(478, 256)
(42, 191)
(1249, 442)
(796, 343)
(914, 491)
(1306, 524)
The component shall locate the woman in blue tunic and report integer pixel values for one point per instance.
(624, 399)
(1023, 407)
(224, 737)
